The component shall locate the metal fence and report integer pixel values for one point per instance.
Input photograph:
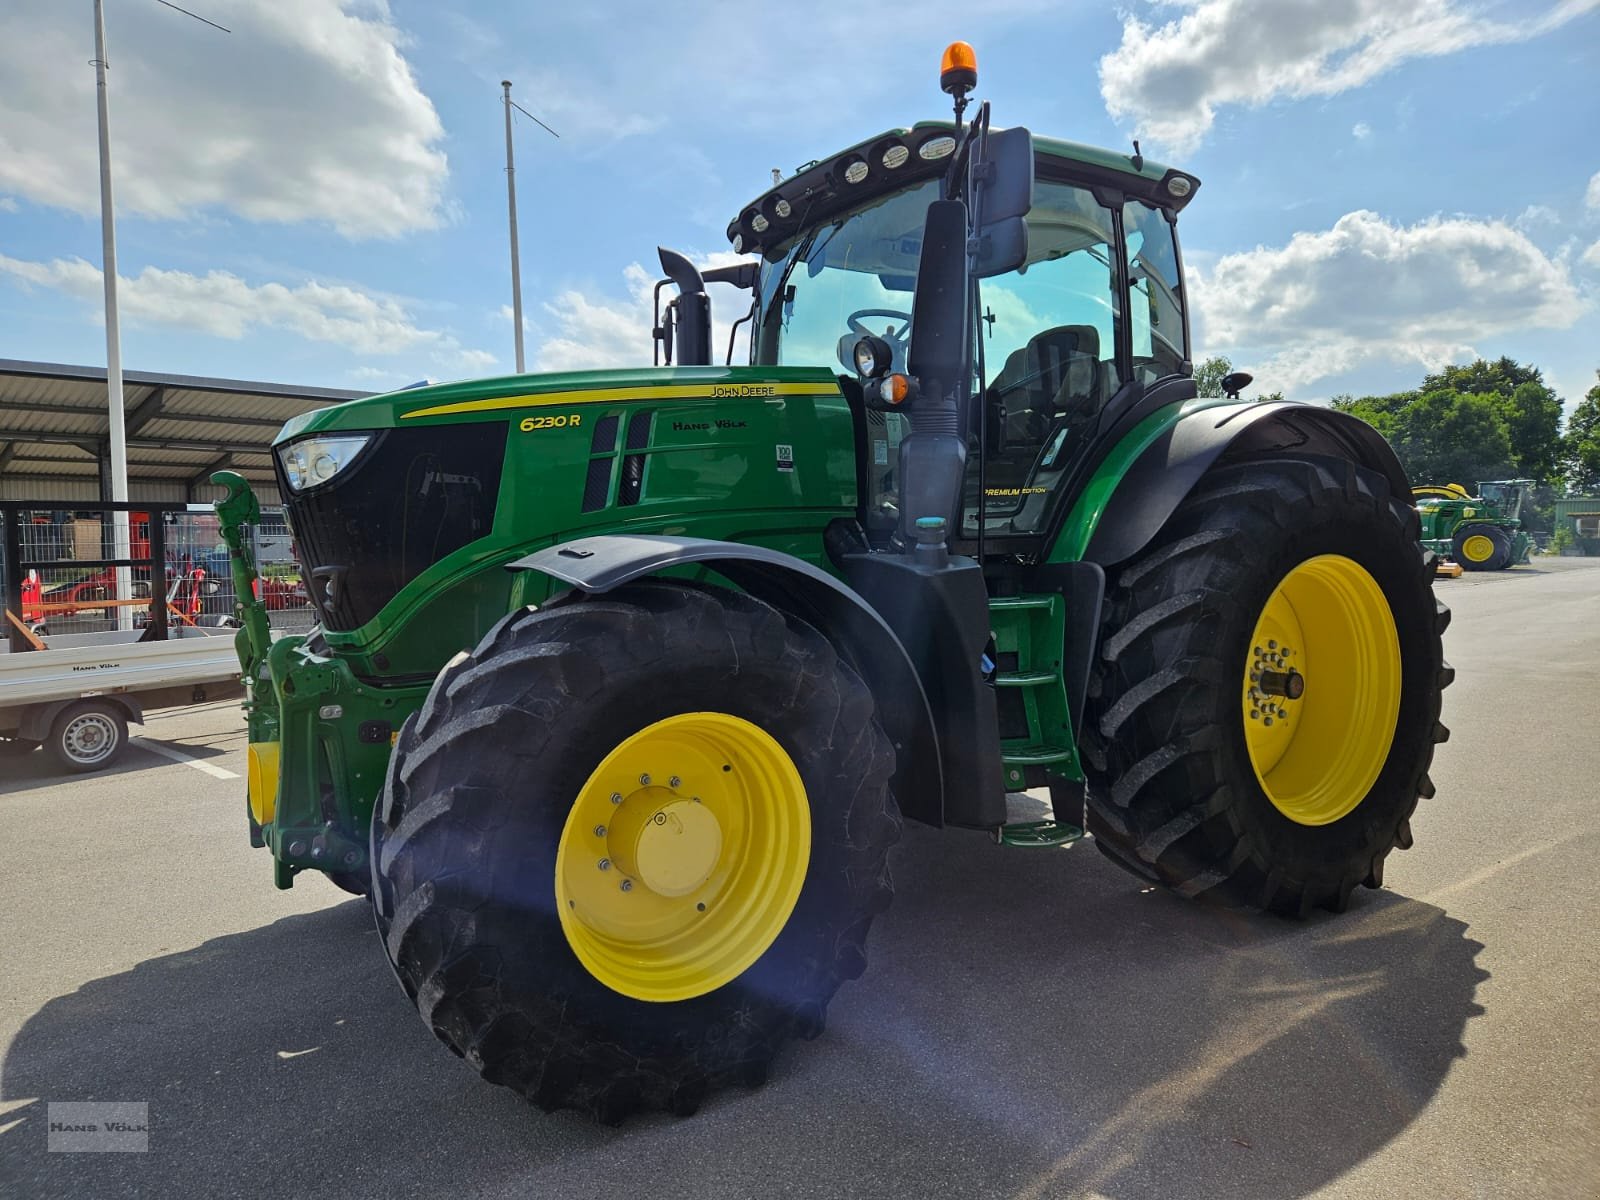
(61, 571)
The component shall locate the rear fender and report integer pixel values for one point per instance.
(37, 720)
(1168, 470)
(791, 585)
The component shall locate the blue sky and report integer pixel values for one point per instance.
(318, 197)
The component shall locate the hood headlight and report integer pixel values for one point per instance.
(315, 460)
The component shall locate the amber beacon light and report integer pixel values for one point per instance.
(958, 70)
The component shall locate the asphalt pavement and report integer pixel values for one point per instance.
(1032, 1023)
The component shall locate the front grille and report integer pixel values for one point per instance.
(412, 497)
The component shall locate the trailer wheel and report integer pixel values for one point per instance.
(1266, 698)
(88, 735)
(632, 844)
(1481, 547)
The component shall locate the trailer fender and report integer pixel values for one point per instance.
(38, 718)
(600, 564)
(1168, 470)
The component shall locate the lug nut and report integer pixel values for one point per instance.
(627, 885)
(644, 781)
(1266, 720)
(616, 797)
(599, 831)
(605, 864)
(674, 782)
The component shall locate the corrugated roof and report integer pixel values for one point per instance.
(53, 426)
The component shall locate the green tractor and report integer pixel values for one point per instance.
(1480, 533)
(625, 680)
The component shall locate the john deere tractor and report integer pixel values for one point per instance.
(1482, 532)
(625, 679)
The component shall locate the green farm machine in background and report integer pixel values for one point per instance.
(624, 680)
(1480, 533)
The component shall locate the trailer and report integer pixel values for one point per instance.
(77, 698)
(111, 610)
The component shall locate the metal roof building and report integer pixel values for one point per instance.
(54, 439)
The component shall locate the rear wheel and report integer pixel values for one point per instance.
(632, 844)
(88, 735)
(1481, 547)
(1266, 701)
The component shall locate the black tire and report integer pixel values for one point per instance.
(1173, 797)
(1499, 560)
(88, 736)
(478, 790)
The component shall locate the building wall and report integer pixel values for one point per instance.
(1580, 516)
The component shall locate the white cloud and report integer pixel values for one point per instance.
(308, 111)
(1535, 215)
(1368, 290)
(1169, 80)
(1591, 256)
(223, 305)
(1591, 198)
(1361, 131)
(592, 334)
(7, 204)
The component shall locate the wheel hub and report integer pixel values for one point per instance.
(1317, 750)
(670, 845)
(88, 738)
(683, 856)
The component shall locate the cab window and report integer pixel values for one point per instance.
(1049, 346)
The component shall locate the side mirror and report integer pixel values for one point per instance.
(1002, 195)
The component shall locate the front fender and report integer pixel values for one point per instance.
(1156, 482)
(791, 585)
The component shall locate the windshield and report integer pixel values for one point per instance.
(822, 291)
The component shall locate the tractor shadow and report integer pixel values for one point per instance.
(1033, 1023)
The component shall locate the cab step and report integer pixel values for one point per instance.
(1038, 835)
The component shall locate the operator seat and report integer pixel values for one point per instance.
(1058, 371)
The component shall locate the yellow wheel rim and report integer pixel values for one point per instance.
(683, 856)
(1317, 744)
(1477, 548)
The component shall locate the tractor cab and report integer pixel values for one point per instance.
(1073, 321)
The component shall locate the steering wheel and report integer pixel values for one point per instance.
(897, 338)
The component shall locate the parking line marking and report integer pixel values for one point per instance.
(179, 757)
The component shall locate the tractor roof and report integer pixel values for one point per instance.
(826, 186)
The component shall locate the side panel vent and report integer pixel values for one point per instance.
(597, 484)
(632, 462)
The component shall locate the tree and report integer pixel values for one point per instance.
(1530, 407)
(1532, 413)
(1440, 436)
(1481, 377)
(1580, 448)
(1208, 375)
(1445, 436)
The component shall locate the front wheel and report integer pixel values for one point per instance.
(1266, 701)
(632, 844)
(1481, 547)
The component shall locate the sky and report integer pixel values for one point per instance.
(318, 197)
